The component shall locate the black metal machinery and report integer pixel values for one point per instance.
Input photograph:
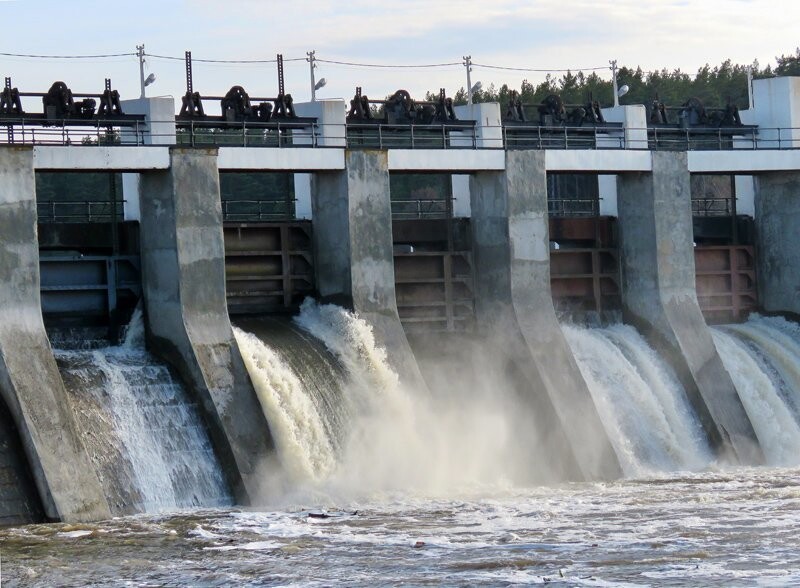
(400, 121)
(401, 109)
(61, 106)
(693, 125)
(693, 113)
(552, 111)
(238, 107)
(555, 123)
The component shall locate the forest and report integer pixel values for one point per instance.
(712, 85)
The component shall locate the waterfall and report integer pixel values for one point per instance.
(145, 436)
(642, 404)
(343, 421)
(762, 356)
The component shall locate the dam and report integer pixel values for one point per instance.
(425, 302)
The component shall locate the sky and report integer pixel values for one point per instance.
(526, 34)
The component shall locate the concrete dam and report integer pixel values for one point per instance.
(422, 305)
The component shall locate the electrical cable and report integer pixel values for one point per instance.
(68, 56)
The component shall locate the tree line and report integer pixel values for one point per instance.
(713, 85)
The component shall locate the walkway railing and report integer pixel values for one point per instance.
(79, 211)
(457, 135)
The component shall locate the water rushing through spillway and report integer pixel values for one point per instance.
(762, 356)
(343, 423)
(641, 402)
(144, 434)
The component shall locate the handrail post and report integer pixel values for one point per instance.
(412, 136)
(380, 136)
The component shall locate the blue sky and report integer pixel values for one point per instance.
(540, 34)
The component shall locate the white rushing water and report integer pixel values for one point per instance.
(145, 435)
(642, 404)
(762, 356)
(386, 437)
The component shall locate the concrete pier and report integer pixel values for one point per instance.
(659, 296)
(353, 250)
(515, 309)
(183, 278)
(30, 383)
(777, 217)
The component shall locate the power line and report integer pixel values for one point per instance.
(529, 69)
(68, 56)
(387, 66)
(240, 61)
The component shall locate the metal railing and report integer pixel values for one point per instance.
(287, 134)
(567, 137)
(573, 207)
(421, 208)
(257, 210)
(78, 211)
(712, 207)
(394, 136)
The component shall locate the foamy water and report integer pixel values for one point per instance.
(642, 405)
(762, 356)
(726, 529)
(147, 441)
(387, 437)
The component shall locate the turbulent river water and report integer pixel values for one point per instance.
(386, 486)
(734, 528)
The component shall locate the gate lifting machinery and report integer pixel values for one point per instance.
(61, 107)
(693, 113)
(553, 112)
(401, 109)
(238, 107)
(675, 127)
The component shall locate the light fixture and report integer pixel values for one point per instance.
(476, 88)
(150, 79)
(622, 91)
(320, 84)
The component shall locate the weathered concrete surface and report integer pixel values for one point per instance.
(29, 379)
(514, 306)
(183, 279)
(353, 250)
(777, 204)
(19, 499)
(659, 297)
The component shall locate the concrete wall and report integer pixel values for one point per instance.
(777, 217)
(330, 115)
(353, 250)
(30, 383)
(160, 126)
(658, 283)
(514, 307)
(183, 279)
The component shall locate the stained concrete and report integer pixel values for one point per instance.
(19, 499)
(353, 250)
(183, 279)
(29, 379)
(659, 297)
(777, 216)
(514, 307)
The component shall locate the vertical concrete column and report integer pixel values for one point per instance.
(515, 309)
(29, 379)
(158, 128)
(353, 250)
(659, 296)
(777, 214)
(330, 131)
(183, 279)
